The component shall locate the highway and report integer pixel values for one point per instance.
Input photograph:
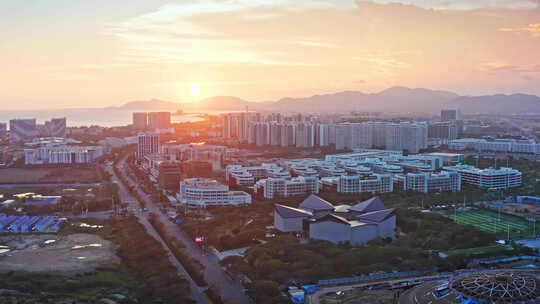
(314, 298)
(405, 297)
(126, 197)
(230, 290)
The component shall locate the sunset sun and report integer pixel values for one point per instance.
(194, 90)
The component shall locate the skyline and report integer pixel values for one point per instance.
(77, 54)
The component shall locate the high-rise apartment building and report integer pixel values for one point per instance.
(322, 135)
(450, 115)
(23, 129)
(237, 126)
(55, 127)
(406, 136)
(443, 130)
(390, 136)
(159, 120)
(148, 143)
(3, 129)
(262, 134)
(305, 135)
(140, 120)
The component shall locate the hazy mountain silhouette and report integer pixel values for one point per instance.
(219, 103)
(150, 105)
(395, 99)
(515, 103)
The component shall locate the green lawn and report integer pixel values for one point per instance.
(478, 250)
(493, 222)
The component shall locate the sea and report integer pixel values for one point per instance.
(88, 117)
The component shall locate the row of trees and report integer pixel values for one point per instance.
(146, 257)
(231, 227)
(192, 266)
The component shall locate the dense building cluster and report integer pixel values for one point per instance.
(306, 132)
(151, 120)
(62, 155)
(369, 171)
(59, 151)
(21, 130)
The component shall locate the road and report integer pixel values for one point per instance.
(405, 297)
(231, 290)
(314, 298)
(126, 197)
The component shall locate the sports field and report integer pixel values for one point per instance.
(493, 222)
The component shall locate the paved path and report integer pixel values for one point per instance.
(231, 290)
(125, 196)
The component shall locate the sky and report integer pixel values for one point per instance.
(79, 53)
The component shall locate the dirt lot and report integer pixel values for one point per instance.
(74, 253)
(48, 175)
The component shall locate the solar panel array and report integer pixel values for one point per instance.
(27, 224)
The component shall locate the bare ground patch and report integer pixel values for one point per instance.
(74, 253)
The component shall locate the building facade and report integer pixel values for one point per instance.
(320, 220)
(271, 188)
(204, 192)
(450, 115)
(147, 143)
(159, 120)
(376, 183)
(429, 182)
(502, 178)
(495, 145)
(140, 120)
(21, 130)
(62, 155)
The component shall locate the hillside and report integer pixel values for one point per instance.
(395, 99)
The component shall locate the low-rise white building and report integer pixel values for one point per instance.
(272, 187)
(495, 145)
(205, 191)
(376, 183)
(62, 155)
(247, 176)
(429, 182)
(490, 178)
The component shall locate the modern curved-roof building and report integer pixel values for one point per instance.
(500, 287)
(321, 220)
(495, 287)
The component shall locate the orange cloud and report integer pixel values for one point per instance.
(533, 29)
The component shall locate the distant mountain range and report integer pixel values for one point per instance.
(395, 99)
